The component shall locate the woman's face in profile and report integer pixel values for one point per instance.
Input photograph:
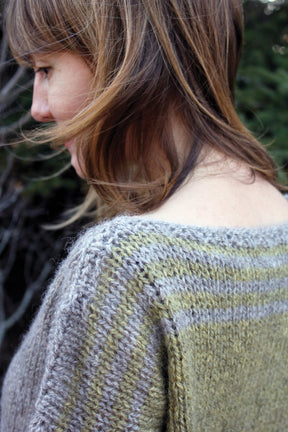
(61, 87)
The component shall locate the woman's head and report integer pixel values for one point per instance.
(158, 66)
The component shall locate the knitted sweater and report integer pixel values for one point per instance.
(153, 326)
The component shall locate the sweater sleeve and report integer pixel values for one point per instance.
(103, 369)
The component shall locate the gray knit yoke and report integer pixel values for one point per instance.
(153, 326)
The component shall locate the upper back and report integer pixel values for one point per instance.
(221, 296)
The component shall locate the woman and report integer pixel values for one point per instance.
(173, 315)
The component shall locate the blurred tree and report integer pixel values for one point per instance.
(262, 85)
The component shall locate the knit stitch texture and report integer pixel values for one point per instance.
(153, 326)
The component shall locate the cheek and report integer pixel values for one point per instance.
(63, 105)
(67, 101)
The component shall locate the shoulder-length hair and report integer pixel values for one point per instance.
(154, 62)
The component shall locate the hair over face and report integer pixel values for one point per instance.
(156, 63)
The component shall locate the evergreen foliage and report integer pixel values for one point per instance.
(262, 85)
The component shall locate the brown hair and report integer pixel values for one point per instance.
(154, 61)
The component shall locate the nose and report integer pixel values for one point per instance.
(40, 107)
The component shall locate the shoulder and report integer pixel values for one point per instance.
(127, 235)
(121, 244)
(106, 257)
(127, 251)
(135, 239)
(123, 234)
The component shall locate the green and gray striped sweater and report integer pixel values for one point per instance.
(153, 326)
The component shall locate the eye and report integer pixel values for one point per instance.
(43, 70)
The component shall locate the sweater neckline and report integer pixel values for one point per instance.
(257, 228)
(259, 236)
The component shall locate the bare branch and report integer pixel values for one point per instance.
(8, 98)
(12, 82)
(6, 130)
(7, 171)
(3, 50)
